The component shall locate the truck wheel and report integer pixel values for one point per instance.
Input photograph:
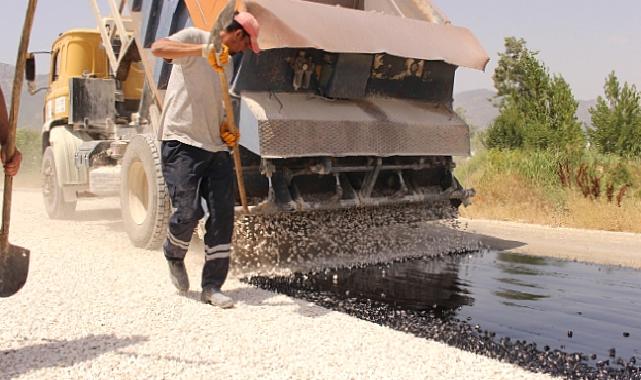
(144, 200)
(449, 181)
(52, 192)
(456, 203)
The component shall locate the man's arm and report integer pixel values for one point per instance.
(12, 165)
(4, 120)
(168, 49)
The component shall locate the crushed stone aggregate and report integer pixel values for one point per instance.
(95, 307)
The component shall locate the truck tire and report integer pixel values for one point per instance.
(52, 193)
(144, 200)
(448, 180)
(456, 203)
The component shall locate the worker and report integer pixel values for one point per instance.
(196, 162)
(12, 164)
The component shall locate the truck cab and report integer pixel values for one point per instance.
(84, 104)
(74, 53)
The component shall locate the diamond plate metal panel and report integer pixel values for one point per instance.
(304, 138)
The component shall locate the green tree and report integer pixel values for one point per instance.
(565, 128)
(617, 119)
(506, 132)
(537, 110)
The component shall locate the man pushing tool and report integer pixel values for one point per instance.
(195, 149)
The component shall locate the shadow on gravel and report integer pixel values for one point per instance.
(169, 358)
(115, 225)
(497, 244)
(193, 295)
(96, 215)
(60, 353)
(251, 296)
(254, 297)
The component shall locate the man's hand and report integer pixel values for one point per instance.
(218, 64)
(11, 166)
(230, 138)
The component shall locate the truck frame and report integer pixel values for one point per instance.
(353, 111)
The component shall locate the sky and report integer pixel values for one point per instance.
(583, 40)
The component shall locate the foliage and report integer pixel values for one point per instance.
(589, 190)
(617, 119)
(551, 172)
(537, 110)
(28, 142)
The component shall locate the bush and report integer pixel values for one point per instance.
(555, 189)
(29, 143)
(550, 172)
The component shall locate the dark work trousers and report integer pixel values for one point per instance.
(193, 174)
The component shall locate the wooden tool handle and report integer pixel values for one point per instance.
(225, 16)
(10, 146)
(231, 122)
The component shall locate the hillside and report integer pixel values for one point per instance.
(477, 106)
(479, 111)
(30, 106)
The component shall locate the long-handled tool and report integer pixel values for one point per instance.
(224, 18)
(14, 260)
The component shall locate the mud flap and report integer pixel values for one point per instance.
(65, 145)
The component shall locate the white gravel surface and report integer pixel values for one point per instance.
(95, 307)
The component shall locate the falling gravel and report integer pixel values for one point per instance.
(285, 243)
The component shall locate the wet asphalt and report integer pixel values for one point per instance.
(512, 308)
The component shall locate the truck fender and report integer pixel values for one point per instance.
(65, 144)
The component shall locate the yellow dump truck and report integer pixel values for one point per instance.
(74, 115)
(348, 106)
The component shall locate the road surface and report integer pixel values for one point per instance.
(95, 307)
(600, 247)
